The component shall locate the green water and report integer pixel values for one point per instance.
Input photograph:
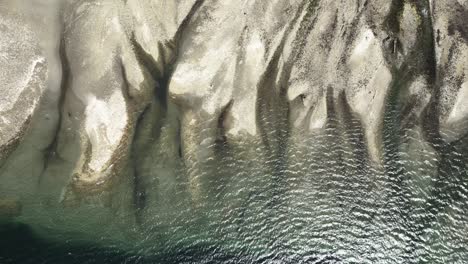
(319, 202)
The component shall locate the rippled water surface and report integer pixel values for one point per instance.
(307, 199)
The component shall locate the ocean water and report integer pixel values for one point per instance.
(300, 198)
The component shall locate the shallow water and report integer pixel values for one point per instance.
(307, 199)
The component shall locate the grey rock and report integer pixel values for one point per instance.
(115, 89)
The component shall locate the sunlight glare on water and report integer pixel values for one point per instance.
(318, 202)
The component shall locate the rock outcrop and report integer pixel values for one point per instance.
(23, 76)
(98, 96)
(9, 208)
